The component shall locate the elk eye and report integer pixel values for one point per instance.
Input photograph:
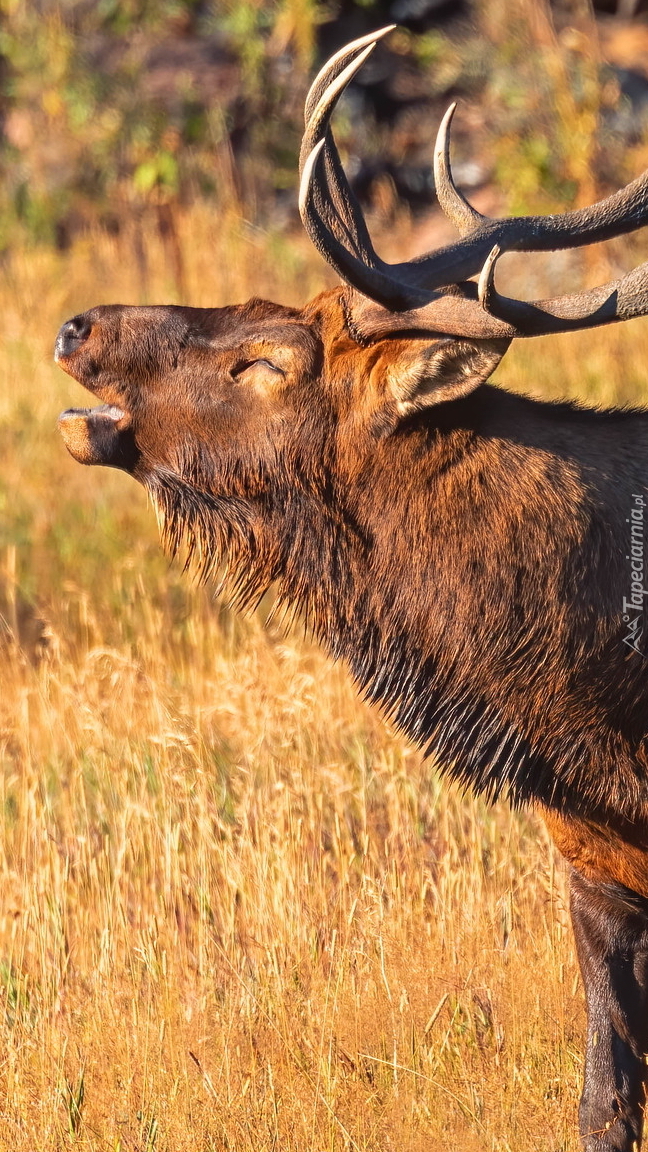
(242, 367)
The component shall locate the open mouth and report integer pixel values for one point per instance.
(101, 412)
(100, 435)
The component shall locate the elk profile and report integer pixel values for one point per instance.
(475, 556)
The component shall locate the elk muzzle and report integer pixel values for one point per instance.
(100, 435)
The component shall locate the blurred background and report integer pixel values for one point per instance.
(123, 114)
(237, 910)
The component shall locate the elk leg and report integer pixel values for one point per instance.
(611, 928)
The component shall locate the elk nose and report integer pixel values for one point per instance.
(71, 335)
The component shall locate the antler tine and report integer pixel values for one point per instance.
(334, 66)
(335, 202)
(451, 201)
(318, 121)
(621, 299)
(331, 197)
(486, 285)
(373, 282)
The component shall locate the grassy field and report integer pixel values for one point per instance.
(236, 910)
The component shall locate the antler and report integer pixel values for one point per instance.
(621, 299)
(334, 221)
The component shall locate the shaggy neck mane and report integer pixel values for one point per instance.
(401, 596)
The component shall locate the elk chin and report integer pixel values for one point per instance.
(99, 436)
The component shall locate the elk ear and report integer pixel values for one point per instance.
(424, 372)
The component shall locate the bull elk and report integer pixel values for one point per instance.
(475, 556)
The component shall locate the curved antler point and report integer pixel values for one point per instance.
(486, 284)
(307, 175)
(334, 90)
(340, 58)
(451, 201)
(442, 142)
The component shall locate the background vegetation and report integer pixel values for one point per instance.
(236, 910)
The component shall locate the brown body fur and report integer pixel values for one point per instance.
(614, 853)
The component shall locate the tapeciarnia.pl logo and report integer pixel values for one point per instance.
(633, 605)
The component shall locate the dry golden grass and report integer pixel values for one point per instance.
(236, 911)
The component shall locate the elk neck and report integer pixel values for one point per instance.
(470, 570)
(469, 567)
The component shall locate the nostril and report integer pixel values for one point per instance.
(79, 327)
(71, 335)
